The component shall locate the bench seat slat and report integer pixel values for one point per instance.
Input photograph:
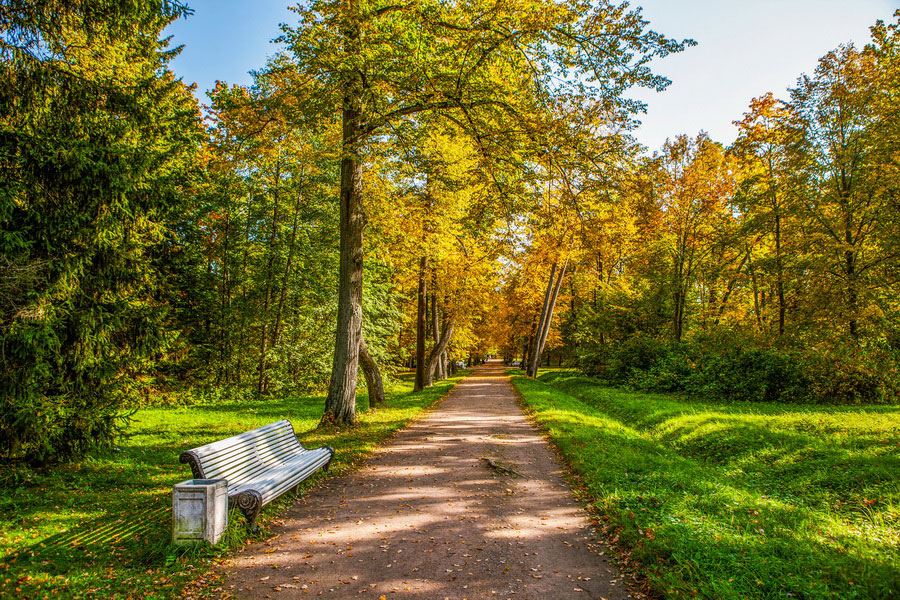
(272, 483)
(253, 472)
(259, 447)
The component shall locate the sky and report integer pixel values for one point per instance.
(745, 49)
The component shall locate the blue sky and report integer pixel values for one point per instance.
(746, 48)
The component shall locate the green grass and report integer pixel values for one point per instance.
(101, 528)
(735, 501)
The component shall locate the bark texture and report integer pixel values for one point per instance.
(374, 383)
(439, 348)
(340, 405)
(543, 329)
(420, 327)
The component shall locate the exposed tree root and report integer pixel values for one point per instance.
(500, 468)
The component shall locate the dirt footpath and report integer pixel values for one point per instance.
(428, 518)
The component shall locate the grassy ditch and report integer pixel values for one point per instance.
(101, 528)
(735, 501)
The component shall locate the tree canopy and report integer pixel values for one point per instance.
(411, 186)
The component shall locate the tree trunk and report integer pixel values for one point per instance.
(852, 289)
(436, 352)
(279, 316)
(261, 382)
(436, 331)
(755, 285)
(729, 288)
(529, 345)
(544, 329)
(225, 311)
(242, 328)
(420, 326)
(779, 275)
(340, 405)
(533, 352)
(374, 383)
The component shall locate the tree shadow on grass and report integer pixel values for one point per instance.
(100, 538)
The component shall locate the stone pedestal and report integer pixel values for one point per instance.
(199, 510)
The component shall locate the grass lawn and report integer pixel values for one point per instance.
(735, 501)
(101, 528)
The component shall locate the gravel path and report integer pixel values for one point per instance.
(428, 518)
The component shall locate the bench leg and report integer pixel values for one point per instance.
(250, 503)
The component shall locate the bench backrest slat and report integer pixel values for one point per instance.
(240, 457)
(242, 438)
(257, 448)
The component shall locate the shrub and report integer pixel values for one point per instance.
(750, 374)
(737, 367)
(672, 371)
(845, 375)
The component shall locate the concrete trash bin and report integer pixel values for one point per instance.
(199, 510)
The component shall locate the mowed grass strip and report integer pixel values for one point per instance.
(735, 501)
(101, 528)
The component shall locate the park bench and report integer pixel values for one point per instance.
(259, 465)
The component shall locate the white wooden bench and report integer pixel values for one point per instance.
(259, 465)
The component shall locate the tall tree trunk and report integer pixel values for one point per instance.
(729, 288)
(242, 327)
(852, 283)
(544, 329)
(529, 346)
(435, 328)
(680, 291)
(285, 278)
(755, 285)
(779, 274)
(533, 352)
(340, 405)
(374, 383)
(261, 383)
(420, 326)
(439, 348)
(224, 314)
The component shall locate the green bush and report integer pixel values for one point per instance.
(750, 374)
(851, 376)
(736, 367)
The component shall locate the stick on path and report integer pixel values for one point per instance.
(427, 518)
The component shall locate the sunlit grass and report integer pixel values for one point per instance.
(101, 528)
(740, 500)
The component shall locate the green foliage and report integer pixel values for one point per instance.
(100, 138)
(852, 375)
(734, 367)
(735, 502)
